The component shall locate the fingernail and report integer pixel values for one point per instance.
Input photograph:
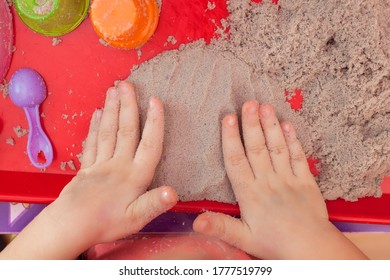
(166, 197)
(231, 120)
(123, 88)
(265, 111)
(98, 114)
(152, 105)
(202, 224)
(112, 93)
(252, 108)
(155, 106)
(286, 127)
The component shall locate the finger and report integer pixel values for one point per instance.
(108, 127)
(150, 147)
(150, 205)
(90, 147)
(274, 139)
(298, 160)
(254, 141)
(128, 132)
(236, 163)
(224, 227)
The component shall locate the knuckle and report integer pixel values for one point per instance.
(224, 232)
(219, 228)
(148, 144)
(88, 150)
(278, 149)
(298, 156)
(142, 212)
(83, 174)
(128, 132)
(106, 135)
(154, 208)
(233, 240)
(134, 217)
(256, 149)
(133, 211)
(296, 153)
(236, 159)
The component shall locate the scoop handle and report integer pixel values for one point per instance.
(37, 139)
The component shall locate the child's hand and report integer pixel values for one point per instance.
(107, 197)
(283, 214)
(106, 200)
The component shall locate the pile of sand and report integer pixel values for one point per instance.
(335, 51)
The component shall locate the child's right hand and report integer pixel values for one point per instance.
(283, 214)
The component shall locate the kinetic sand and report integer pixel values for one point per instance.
(336, 52)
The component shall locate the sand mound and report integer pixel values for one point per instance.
(199, 85)
(336, 52)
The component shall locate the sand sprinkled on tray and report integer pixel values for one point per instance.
(170, 39)
(337, 54)
(20, 131)
(211, 5)
(55, 41)
(10, 141)
(43, 7)
(4, 87)
(70, 164)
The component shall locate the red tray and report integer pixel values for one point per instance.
(78, 72)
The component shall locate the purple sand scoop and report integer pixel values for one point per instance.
(28, 90)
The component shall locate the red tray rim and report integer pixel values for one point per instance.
(13, 189)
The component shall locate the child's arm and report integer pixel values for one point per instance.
(106, 200)
(283, 214)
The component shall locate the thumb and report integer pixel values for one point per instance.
(229, 229)
(150, 205)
